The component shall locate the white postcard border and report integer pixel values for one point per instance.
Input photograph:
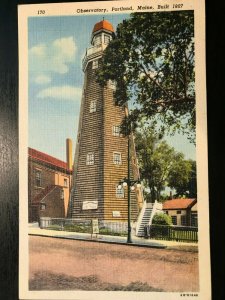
(24, 11)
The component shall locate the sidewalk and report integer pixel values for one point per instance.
(136, 241)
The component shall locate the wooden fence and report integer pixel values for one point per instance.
(172, 233)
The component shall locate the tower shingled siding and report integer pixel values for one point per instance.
(95, 134)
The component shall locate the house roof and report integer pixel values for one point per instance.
(179, 203)
(50, 160)
(104, 24)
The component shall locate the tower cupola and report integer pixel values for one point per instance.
(102, 33)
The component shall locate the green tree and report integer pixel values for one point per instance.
(160, 165)
(161, 219)
(185, 184)
(151, 61)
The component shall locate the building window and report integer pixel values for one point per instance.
(116, 130)
(93, 106)
(90, 159)
(65, 182)
(178, 212)
(194, 219)
(43, 206)
(62, 194)
(183, 221)
(38, 178)
(95, 64)
(119, 192)
(174, 220)
(106, 39)
(117, 158)
(167, 212)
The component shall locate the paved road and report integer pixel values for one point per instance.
(59, 264)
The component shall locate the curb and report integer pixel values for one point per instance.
(102, 241)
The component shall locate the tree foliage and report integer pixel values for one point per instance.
(185, 185)
(151, 61)
(161, 219)
(160, 165)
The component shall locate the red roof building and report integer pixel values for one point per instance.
(48, 160)
(182, 211)
(49, 184)
(179, 203)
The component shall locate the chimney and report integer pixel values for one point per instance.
(69, 159)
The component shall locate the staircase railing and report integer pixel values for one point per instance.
(156, 207)
(140, 217)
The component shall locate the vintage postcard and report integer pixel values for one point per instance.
(113, 151)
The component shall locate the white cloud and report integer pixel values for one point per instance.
(66, 46)
(52, 57)
(39, 51)
(42, 79)
(61, 92)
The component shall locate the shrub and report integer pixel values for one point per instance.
(77, 228)
(107, 231)
(54, 227)
(161, 219)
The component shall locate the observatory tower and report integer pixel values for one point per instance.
(101, 157)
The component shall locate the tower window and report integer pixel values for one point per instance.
(119, 192)
(112, 84)
(116, 130)
(95, 64)
(93, 106)
(97, 40)
(62, 194)
(106, 39)
(90, 159)
(38, 178)
(117, 158)
(65, 182)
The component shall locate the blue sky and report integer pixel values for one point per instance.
(56, 48)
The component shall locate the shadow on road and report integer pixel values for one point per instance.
(51, 281)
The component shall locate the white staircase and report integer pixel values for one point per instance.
(145, 221)
(146, 215)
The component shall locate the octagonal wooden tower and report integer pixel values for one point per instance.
(101, 150)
